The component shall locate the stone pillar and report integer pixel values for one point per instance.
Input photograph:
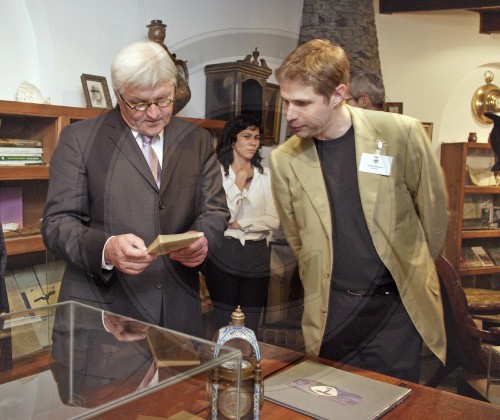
(348, 23)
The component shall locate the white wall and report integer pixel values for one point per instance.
(433, 62)
(50, 43)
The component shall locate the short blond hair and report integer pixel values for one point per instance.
(318, 63)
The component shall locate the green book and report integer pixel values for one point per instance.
(20, 157)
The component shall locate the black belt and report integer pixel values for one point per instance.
(381, 290)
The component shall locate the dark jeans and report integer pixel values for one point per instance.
(374, 333)
(239, 275)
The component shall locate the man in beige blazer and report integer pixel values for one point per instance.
(361, 199)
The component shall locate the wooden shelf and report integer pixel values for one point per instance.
(479, 271)
(486, 233)
(24, 244)
(473, 189)
(43, 110)
(13, 173)
(476, 145)
(208, 124)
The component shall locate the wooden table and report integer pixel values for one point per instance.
(423, 402)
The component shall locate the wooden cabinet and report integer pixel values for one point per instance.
(470, 225)
(241, 87)
(19, 120)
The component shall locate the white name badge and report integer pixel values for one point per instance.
(375, 164)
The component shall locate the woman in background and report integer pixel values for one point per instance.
(239, 273)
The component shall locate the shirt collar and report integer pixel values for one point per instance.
(158, 137)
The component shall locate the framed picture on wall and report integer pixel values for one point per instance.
(272, 115)
(96, 91)
(396, 107)
(428, 129)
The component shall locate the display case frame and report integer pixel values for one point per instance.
(60, 361)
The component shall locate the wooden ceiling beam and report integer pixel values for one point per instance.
(399, 6)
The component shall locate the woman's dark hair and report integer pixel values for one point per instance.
(227, 139)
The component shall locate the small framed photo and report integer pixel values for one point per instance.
(428, 129)
(96, 91)
(396, 107)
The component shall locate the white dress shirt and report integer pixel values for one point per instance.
(157, 145)
(252, 208)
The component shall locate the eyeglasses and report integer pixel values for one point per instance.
(142, 106)
(353, 98)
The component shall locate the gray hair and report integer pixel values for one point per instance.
(369, 83)
(142, 64)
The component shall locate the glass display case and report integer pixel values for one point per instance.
(73, 361)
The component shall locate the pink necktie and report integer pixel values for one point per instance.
(151, 157)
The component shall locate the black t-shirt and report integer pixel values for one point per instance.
(356, 264)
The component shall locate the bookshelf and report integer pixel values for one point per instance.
(466, 229)
(21, 120)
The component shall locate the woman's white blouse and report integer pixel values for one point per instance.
(252, 208)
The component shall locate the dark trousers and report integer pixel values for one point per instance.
(374, 333)
(239, 275)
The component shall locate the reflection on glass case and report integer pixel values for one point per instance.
(74, 361)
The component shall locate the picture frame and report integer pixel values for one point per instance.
(428, 129)
(272, 114)
(395, 107)
(96, 91)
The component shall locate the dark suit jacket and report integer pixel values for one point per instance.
(101, 185)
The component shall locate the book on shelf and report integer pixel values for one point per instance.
(471, 259)
(324, 392)
(19, 160)
(494, 254)
(21, 151)
(483, 256)
(482, 177)
(14, 158)
(164, 244)
(11, 207)
(20, 143)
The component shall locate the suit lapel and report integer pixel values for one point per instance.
(307, 169)
(172, 137)
(117, 131)
(366, 139)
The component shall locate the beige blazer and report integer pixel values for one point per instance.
(405, 213)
